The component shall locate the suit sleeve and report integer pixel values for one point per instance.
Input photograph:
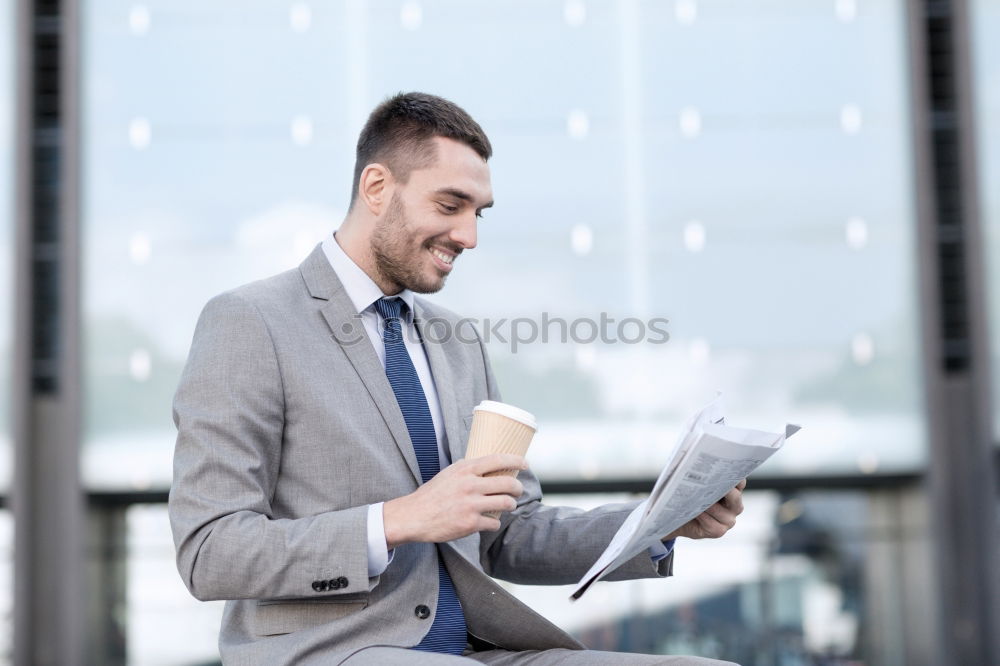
(547, 545)
(229, 413)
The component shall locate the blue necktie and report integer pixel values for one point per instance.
(448, 632)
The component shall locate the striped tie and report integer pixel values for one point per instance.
(448, 632)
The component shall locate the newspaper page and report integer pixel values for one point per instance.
(708, 460)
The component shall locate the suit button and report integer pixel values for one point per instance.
(324, 585)
(317, 586)
(334, 584)
(342, 581)
(422, 612)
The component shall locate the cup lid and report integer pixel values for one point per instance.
(510, 411)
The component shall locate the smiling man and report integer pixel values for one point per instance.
(319, 481)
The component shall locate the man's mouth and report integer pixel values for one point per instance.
(443, 259)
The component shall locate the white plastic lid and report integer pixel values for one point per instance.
(510, 411)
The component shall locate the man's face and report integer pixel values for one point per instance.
(432, 219)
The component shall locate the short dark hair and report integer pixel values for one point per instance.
(398, 134)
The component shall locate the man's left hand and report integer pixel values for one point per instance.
(717, 519)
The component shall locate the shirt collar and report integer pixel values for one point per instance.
(360, 288)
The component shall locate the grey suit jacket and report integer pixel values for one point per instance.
(288, 429)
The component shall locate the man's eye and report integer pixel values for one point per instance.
(449, 209)
(479, 214)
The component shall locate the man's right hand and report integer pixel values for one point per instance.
(452, 504)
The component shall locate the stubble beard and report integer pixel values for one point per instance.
(398, 258)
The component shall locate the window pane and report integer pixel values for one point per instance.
(781, 232)
(203, 170)
(707, 164)
(986, 87)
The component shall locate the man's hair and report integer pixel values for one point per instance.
(399, 131)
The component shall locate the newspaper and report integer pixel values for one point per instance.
(709, 459)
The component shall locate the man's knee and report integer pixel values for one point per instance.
(652, 660)
(694, 661)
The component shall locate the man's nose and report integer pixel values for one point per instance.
(464, 233)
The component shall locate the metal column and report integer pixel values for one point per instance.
(961, 472)
(47, 498)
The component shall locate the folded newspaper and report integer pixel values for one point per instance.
(709, 459)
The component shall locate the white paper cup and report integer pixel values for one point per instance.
(499, 428)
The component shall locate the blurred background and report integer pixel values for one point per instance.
(806, 189)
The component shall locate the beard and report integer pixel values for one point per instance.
(399, 257)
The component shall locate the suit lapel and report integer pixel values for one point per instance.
(434, 338)
(349, 332)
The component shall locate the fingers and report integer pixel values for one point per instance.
(721, 514)
(496, 485)
(488, 524)
(710, 527)
(488, 493)
(503, 503)
(733, 500)
(741, 485)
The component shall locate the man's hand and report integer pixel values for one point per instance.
(717, 519)
(452, 504)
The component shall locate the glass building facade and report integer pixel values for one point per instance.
(794, 291)
(738, 169)
(691, 196)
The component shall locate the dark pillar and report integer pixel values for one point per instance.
(961, 473)
(47, 500)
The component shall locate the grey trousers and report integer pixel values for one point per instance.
(391, 656)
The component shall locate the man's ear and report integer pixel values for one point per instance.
(375, 187)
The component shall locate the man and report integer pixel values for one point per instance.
(319, 481)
